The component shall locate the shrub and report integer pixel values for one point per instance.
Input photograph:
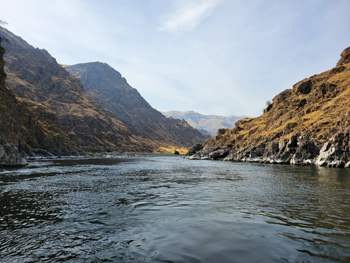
(93, 150)
(269, 105)
(176, 152)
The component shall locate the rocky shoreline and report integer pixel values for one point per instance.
(295, 151)
(10, 157)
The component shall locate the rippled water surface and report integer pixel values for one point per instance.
(168, 209)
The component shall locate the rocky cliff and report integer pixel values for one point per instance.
(106, 85)
(25, 125)
(35, 76)
(205, 123)
(306, 125)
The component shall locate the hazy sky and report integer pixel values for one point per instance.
(224, 57)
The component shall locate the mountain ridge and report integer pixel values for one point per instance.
(209, 123)
(33, 74)
(36, 78)
(306, 125)
(107, 86)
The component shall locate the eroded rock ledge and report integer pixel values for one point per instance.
(296, 151)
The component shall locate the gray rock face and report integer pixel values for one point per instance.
(195, 148)
(10, 157)
(296, 151)
(218, 154)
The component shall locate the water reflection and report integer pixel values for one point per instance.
(166, 209)
(24, 209)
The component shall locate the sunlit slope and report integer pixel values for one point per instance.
(315, 111)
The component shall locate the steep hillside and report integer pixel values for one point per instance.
(111, 90)
(308, 124)
(209, 123)
(36, 76)
(25, 124)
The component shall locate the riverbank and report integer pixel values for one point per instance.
(333, 153)
(11, 157)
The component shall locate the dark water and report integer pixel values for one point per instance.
(167, 209)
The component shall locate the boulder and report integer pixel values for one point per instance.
(347, 165)
(9, 156)
(344, 57)
(326, 153)
(219, 154)
(308, 162)
(336, 164)
(303, 87)
(195, 148)
(220, 133)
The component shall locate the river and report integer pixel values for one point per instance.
(169, 209)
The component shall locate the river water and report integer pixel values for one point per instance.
(169, 209)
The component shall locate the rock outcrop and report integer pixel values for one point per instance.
(10, 157)
(306, 125)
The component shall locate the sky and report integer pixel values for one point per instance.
(222, 57)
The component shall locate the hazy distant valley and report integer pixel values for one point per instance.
(205, 123)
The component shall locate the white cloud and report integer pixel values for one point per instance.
(189, 14)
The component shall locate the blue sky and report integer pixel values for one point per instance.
(223, 57)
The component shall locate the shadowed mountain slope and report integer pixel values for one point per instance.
(111, 90)
(36, 76)
(26, 123)
(209, 123)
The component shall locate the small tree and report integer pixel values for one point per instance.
(268, 106)
(268, 103)
(176, 152)
(93, 150)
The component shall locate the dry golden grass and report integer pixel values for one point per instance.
(321, 113)
(171, 149)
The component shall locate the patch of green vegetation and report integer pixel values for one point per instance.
(93, 150)
(176, 152)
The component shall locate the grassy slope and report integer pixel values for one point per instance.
(316, 114)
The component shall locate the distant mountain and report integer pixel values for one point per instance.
(210, 123)
(106, 86)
